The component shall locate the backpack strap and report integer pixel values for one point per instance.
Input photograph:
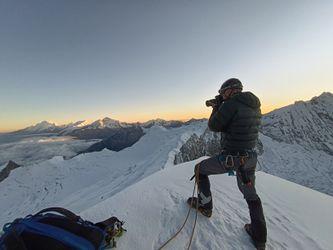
(70, 215)
(13, 240)
(68, 238)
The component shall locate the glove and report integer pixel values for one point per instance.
(216, 102)
(219, 100)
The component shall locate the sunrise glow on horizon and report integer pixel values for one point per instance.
(179, 115)
(141, 60)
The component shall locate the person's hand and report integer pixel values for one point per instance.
(216, 102)
(211, 103)
(219, 100)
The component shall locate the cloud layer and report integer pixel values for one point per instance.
(35, 149)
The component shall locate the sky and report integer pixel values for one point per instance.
(70, 60)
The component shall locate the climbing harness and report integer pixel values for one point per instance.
(242, 172)
(196, 182)
(229, 162)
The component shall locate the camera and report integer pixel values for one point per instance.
(216, 102)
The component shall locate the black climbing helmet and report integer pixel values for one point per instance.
(232, 83)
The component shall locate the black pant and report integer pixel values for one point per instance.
(218, 165)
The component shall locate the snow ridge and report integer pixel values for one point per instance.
(309, 123)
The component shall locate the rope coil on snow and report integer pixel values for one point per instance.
(196, 209)
(187, 216)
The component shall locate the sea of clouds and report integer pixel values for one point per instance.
(33, 149)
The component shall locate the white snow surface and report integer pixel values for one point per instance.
(154, 208)
(293, 162)
(94, 176)
(141, 186)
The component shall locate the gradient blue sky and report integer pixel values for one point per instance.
(67, 60)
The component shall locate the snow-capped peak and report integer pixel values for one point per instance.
(106, 123)
(163, 123)
(78, 124)
(157, 121)
(73, 126)
(41, 126)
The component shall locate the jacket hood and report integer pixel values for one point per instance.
(248, 99)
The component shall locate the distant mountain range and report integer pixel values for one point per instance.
(295, 142)
(81, 128)
(115, 135)
(45, 127)
(141, 186)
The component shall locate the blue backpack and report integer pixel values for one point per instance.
(57, 228)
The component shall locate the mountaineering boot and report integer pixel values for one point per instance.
(192, 202)
(258, 245)
(258, 224)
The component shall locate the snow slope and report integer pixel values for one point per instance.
(306, 123)
(154, 208)
(89, 178)
(293, 162)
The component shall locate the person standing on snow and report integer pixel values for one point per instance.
(237, 115)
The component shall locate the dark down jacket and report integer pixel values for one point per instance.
(239, 119)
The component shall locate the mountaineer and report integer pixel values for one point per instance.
(237, 115)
